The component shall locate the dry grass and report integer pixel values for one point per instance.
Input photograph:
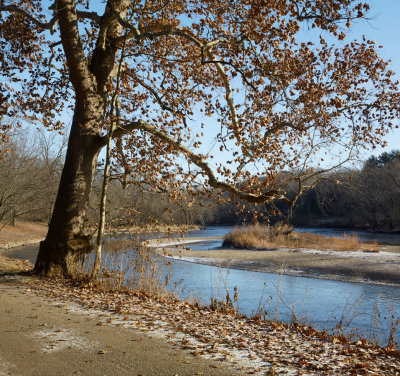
(22, 233)
(129, 265)
(283, 236)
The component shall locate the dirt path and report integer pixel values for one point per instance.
(57, 328)
(39, 337)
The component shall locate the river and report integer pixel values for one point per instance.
(363, 309)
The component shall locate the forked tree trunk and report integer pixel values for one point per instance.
(65, 244)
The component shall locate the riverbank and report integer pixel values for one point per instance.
(47, 333)
(46, 323)
(352, 266)
(363, 267)
(22, 233)
(27, 233)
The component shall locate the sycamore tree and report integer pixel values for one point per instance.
(169, 77)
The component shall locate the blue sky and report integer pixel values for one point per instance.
(384, 28)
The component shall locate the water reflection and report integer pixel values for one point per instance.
(364, 236)
(26, 252)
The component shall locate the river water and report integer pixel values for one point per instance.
(358, 308)
(363, 309)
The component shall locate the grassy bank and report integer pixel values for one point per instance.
(283, 236)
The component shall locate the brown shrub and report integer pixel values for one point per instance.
(282, 236)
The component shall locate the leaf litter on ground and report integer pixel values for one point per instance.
(258, 347)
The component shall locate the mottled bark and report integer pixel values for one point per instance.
(65, 244)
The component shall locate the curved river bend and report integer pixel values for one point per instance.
(365, 309)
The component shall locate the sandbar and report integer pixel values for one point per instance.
(353, 266)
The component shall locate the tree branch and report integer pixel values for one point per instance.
(89, 16)
(43, 25)
(199, 162)
(80, 75)
(51, 24)
(164, 106)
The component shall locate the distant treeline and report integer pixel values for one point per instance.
(363, 198)
(367, 198)
(30, 166)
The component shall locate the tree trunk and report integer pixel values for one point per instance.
(102, 222)
(65, 244)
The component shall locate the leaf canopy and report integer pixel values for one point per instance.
(237, 74)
